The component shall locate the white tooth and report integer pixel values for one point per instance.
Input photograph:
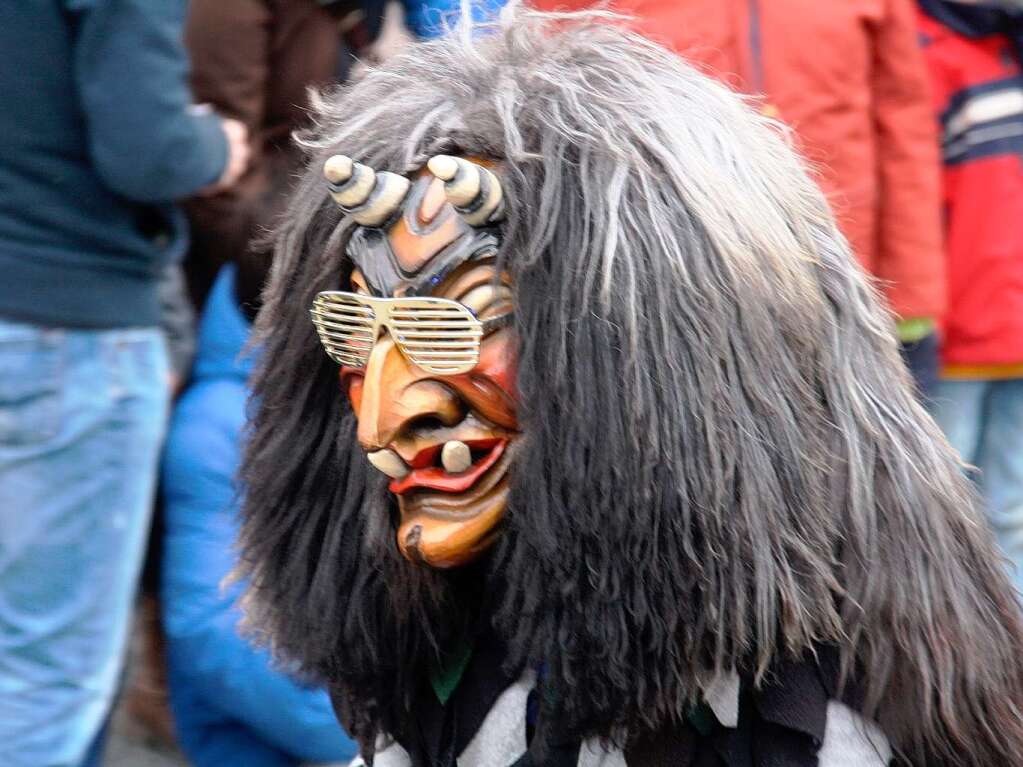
(389, 462)
(456, 457)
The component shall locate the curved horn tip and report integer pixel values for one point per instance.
(487, 205)
(338, 168)
(390, 189)
(443, 166)
(357, 189)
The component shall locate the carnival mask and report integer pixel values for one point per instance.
(422, 333)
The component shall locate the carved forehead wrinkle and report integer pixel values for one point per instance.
(370, 253)
(384, 277)
(427, 225)
(471, 275)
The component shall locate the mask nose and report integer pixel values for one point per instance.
(399, 401)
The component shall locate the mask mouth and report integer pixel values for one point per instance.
(430, 467)
(442, 528)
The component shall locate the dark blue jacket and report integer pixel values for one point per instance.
(230, 706)
(97, 139)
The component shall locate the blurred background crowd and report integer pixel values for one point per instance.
(145, 150)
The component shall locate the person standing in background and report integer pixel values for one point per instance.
(849, 78)
(253, 60)
(99, 139)
(974, 54)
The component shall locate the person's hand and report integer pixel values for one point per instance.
(238, 154)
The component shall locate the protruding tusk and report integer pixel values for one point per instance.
(456, 457)
(389, 462)
(471, 188)
(370, 197)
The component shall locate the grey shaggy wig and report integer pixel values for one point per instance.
(724, 464)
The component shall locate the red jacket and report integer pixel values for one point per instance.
(849, 77)
(978, 91)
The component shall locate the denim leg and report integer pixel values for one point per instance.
(922, 357)
(1001, 468)
(94, 756)
(82, 415)
(958, 407)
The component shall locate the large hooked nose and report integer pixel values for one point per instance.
(399, 402)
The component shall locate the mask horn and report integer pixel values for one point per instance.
(370, 198)
(473, 190)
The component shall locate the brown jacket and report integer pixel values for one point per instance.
(849, 77)
(253, 60)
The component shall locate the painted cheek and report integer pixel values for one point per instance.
(498, 363)
(490, 387)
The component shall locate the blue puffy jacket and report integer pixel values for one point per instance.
(429, 18)
(230, 705)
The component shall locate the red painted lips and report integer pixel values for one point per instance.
(426, 476)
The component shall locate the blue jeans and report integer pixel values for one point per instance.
(82, 416)
(984, 421)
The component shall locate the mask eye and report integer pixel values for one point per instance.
(345, 326)
(437, 335)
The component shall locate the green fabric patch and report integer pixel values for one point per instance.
(914, 328)
(445, 676)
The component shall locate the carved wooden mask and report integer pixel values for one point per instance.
(431, 381)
